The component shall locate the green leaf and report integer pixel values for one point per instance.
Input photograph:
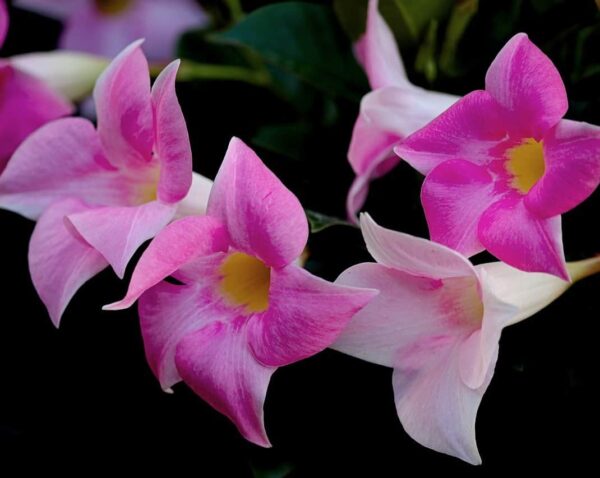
(303, 39)
(425, 63)
(318, 222)
(352, 15)
(462, 14)
(284, 139)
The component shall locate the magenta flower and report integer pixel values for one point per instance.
(502, 165)
(437, 321)
(244, 307)
(26, 103)
(99, 194)
(105, 27)
(392, 111)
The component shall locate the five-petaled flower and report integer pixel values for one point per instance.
(98, 194)
(437, 322)
(394, 109)
(243, 307)
(502, 165)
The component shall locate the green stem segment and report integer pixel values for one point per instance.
(235, 10)
(582, 269)
(190, 70)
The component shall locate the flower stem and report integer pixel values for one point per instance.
(582, 269)
(235, 10)
(191, 70)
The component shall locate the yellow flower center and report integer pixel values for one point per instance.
(526, 164)
(112, 7)
(246, 282)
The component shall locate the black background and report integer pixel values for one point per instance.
(82, 398)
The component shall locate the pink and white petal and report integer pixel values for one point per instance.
(168, 312)
(124, 109)
(172, 144)
(305, 315)
(435, 407)
(117, 232)
(27, 103)
(525, 82)
(61, 159)
(177, 244)
(413, 255)
(572, 174)
(58, 10)
(3, 22)
(469, 129)
(60, 261)
(410, 315)
(217, 363)
(454, 196)
(378, 53)
(509, 231)
(263, 217)
(196, 200)
(402, 110)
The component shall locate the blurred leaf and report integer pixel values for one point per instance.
(280, 471)
(352, 15)
(425, 63)
(284, 139)
(461, 16)
(303, 39)
(318, 222)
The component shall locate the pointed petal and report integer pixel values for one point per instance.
(172, 144)
(526, 83)
(117, 232)
(402, 110)
(263, 217)
(411, 254)
(123, 106)
(454, 196)
(378, 53)
(436, 408)
(70, 73)
(168, 312)
(305, 315)
(177, 244)
(61, 159)
(469, 129)
(217, 363)
(572, 162)
(58, 10)
(26, 104)
(196, 200)
(514, 235)
(60, 261)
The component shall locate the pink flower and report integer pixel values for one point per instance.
(502, 165)
(437, 321)
(99, 194)
(243, 307)
(394, 109)
(26, 103)
(105, 27)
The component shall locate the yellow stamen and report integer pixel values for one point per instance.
(112, 7)
(526, 164)
(246, 282)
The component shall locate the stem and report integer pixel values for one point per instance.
(235, 10)
(582, 269)
(191, 70)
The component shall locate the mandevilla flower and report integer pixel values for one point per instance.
(105, 27)
(26, 103)
(243, 307)
(502, 165)
(437, 322)
(99, 194)
(392, 111)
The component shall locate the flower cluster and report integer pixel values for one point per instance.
(223, 299)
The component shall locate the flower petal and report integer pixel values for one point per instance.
(305, 315)
(117, 232)
(26, 104)
(57, 10)
(514, 235)
(469, 129)
(60, 261)
(217, 363)
(3, 22)
(124, 110)
(525, 82)
(196, 200)
(263, 217)
(455, 194)
(172, 144)
(434, 405)
(572, 162)
(176, 245)
(411, 254)
(168, 312)
(378, 53)
(61, 159)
